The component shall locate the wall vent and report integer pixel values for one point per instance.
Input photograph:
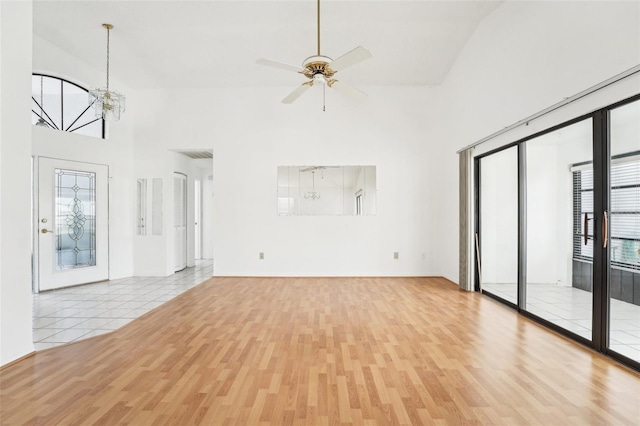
(197, 154)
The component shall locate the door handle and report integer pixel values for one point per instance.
(585, 227)
(44, 231)
(605, 229)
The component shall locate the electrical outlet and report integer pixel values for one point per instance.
(261, 255)
(396, 255)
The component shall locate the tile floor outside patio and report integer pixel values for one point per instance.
(570, 308)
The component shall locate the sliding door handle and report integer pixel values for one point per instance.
(585, 227)
(605, 229)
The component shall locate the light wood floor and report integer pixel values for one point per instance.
(322, 351)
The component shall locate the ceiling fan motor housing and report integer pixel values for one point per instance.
(318, 65)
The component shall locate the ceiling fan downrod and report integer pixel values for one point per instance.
(318, 14)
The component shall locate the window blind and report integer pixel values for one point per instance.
(624, 214)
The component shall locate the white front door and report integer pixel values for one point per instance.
(72, 223)
(180, 220)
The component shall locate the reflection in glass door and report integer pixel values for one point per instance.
(624, 231)
(499, 224)
(559, 248)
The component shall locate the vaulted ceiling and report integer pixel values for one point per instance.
(195, 44)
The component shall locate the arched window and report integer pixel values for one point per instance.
(62, 105)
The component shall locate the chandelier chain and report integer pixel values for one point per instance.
(108, 31)
(41, 96)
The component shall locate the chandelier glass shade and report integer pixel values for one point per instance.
(107, 103)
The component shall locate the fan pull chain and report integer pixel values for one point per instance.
(324, 92)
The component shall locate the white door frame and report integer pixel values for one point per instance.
(184, 227)
(197, 227)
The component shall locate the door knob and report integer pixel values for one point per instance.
(44, 231)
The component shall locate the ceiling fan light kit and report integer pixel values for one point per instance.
(320, 69)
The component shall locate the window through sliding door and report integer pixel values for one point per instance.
(560, 212)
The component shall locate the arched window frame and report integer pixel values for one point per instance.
(60, 124)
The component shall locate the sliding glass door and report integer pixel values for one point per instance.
(559, 212)
(558, 228)
(624, 231)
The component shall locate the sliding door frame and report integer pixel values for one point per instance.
(601, 287)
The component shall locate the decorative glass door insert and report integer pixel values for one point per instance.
(75, 229)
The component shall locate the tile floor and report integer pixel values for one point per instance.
(70, 314)
(571, 308)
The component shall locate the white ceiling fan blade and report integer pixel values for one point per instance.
(274, 64)
(297, 93)
(346, 89)
(357, 55)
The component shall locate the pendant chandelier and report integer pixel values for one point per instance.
(107, 103)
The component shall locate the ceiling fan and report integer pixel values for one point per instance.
(321, 69)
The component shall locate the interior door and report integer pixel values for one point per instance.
(72, 223)
(180, 220)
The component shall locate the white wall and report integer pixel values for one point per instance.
(154, 254)
(15, 180)
(252, 133)
(522, 58)
(207, 213)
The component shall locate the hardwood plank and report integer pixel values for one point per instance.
(319, 351)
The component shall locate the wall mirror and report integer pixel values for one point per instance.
(326, 190)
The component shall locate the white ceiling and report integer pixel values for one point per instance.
(210, 43)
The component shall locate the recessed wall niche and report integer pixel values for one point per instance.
(326, 191)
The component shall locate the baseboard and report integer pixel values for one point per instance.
(15, 361)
